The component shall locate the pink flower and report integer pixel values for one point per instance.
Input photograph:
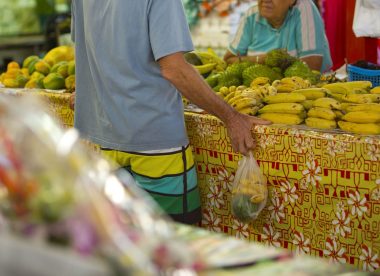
(370, 262)
(358, 205)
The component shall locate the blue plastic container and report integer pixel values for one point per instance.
(358, 74)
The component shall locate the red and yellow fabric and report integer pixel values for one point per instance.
(324, 189)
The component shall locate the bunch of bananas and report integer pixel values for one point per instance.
(247, 100)
(210, 62)
(283, 113)
(241, 98)
(289, 84)
(324, 113)
(361, 118)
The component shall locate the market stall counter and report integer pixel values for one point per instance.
(324, 187)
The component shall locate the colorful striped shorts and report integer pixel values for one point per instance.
(162, 174)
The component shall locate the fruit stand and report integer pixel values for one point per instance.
(324, 186)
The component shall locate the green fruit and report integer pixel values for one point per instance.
(243, 209)
(70, 82)
(37, 75)
(32, 66)
(193, 58)
(28, 60)
(21, 80)
(55, 67)
(54, 81)
(71, 68)
(43, 67)
(62, 70)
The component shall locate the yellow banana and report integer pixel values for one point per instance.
(336, 88)
(237, 96)
(327, 103)
(260, 81)
(278, 118)
(205, 68)
(358, 98)
(249, 110)
(286, 88)
(307, 104)
(362, 117)
(289, 108)
(375, 90)
(207, 57)
(339, 114)
(243, 103)
(230, 95)
(320, 123)
(241, 87)
(232, 88)
(224, 90)
(371, 107)
(312, 93)
(285, 98)
(220, 94)
(360, 128)
(321, 112)
(358, 85)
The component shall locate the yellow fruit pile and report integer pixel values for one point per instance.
(56, 70)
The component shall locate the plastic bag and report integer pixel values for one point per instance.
(53, 191)
(249, 193)
(366, 19)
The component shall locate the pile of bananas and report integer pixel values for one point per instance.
(324, 113)
(210, 62)
(247, 100)
(284, 108)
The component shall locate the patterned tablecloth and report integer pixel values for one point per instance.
(324, 188)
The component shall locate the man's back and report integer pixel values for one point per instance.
(123, 102)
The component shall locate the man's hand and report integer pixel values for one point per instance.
(72, 101)
(239, 129)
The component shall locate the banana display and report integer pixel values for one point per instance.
(289, 84)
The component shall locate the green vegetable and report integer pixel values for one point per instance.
(243, 209)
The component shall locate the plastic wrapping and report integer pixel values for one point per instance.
(249, 190)
(55, 192)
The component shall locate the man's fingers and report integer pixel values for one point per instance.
(258, 121)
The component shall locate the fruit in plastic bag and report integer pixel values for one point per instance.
(249, 190)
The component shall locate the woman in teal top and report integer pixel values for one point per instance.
(295, 25)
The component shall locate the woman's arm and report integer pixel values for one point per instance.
(229, 57)
(314, 62)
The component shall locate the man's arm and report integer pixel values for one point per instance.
(187, 80)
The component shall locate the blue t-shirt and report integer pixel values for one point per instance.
(122, 100)
(302, 34)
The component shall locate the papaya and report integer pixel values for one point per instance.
(32, 66)
(60, 53)
(37, 75)
(55, 67)
(43, 67)
(21, 80)
(25, 72)
(13, 64)
(70, 82)
(10, 83)
(28, 60)
(54, 81)
(34, 83)
(12, 73)
(71, 67)
(62, 70)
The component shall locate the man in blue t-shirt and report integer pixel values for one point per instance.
(130, 71)
(294, 25)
